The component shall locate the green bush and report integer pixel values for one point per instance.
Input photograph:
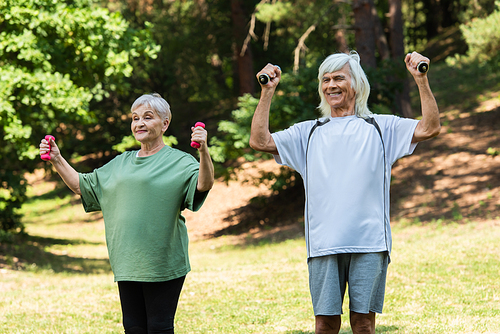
(58, 61)
(295, 100)
(482, 35)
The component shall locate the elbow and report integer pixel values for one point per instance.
(427, 131)
(77, 191)
(253, 144)
(205, 182)
(435, 131)
(209, 184)
(205, 186)
(257, 145)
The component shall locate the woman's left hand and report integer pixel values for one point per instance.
(206, 174)
(199, 135)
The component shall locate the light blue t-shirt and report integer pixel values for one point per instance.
(346, 184)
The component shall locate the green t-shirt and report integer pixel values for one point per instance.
(141, 199)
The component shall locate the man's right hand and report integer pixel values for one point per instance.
(274, 73)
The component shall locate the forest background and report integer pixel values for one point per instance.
(73, 68)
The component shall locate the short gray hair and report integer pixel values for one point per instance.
(359, 81)
(155, 102)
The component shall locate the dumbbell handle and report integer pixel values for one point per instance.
(264, 78)
(422, 67)
(46, 156)
(193, 143)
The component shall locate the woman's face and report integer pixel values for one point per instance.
(147, 126)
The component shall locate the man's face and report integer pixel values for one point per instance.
(336, 87)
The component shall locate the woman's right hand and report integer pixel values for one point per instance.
(54, 150)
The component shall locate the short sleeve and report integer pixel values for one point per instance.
(397, 133)
(91, 191)
(193, 199)
(292, 145)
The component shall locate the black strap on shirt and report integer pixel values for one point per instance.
(373, 122)
(369, 120)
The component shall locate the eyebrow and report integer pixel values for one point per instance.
(338, 76)
(147, 111)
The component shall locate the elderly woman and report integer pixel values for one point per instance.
(141, 195)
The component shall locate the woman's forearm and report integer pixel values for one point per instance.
(68, 174)
(206, 173)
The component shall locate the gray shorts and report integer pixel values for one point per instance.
(365, 274)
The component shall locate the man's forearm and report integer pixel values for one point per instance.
(260, 136)
(430, 125)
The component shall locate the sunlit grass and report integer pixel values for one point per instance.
(443, 279)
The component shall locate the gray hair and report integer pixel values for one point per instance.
(359, 81)
(155, 102)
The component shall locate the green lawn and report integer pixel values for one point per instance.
(444, 278)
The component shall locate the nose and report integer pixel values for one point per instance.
(140, 122)
(332, 83)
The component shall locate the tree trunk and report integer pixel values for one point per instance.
(380, 39)
(365, 43)
(433, 18)
(341, 41)
(398, 52)
(245, 72)
(340, 34)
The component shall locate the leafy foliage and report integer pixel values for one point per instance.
(72, 68)
(58, 61)
(295, 100)
(483, 36)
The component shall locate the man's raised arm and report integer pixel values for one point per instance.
(260, 136)
(430, 125)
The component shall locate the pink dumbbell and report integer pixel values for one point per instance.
(193, 143)
(46, 156)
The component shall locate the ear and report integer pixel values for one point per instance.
(166, 123)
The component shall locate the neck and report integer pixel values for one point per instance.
(342, 113)
(148, 149)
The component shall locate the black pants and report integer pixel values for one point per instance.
(149, 308)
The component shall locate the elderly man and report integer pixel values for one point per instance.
(345, 161)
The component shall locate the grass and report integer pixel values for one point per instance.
(443, 279)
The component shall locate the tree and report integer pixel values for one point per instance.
(365, 28)
(402, 98)
(483, 38)
(244, 58)
(58, 62)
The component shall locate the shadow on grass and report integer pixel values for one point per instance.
(29, 253)
(61, 191)
(270, 219)
(379, 329)
(478, 173)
